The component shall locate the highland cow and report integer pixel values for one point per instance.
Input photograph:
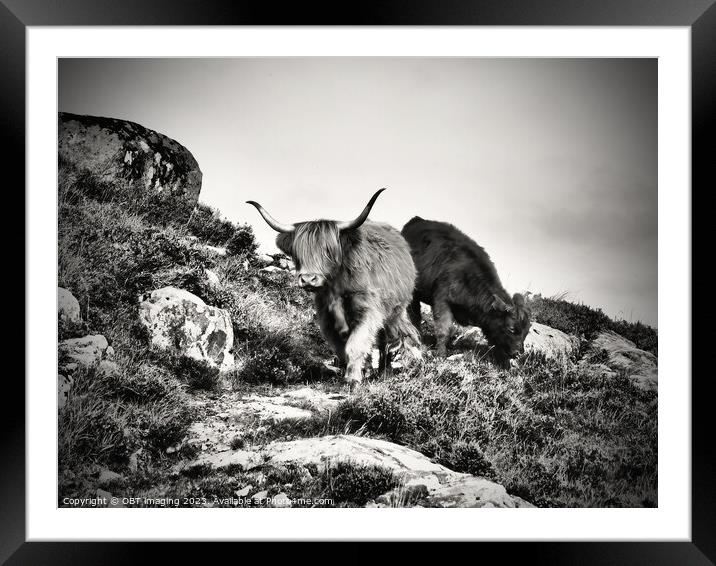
(362, 277)
(459, 281)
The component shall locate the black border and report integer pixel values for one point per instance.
(699, 15)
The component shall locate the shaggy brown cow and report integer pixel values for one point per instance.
(363, 278)
(458, 280)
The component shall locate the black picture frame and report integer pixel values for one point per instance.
(699, 15)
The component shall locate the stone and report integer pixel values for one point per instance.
(86, 351)
(64, 387)
(217, 250)
(285, 264)
(68, 308)
(119, 149)
(244, 491)
(212, 278)
(108, 476)
(243, 459)
(264, 259)
(553, 343)
(469, 338)
(182, 323)
(271, 269)
(280, 500)
(624, 356)
(108, 368)
(260, 495)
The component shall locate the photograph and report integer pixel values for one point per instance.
(363, 282)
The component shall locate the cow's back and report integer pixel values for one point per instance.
(378, 260)
(442, 253)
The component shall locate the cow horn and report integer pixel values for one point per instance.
(270, 220)
(363, 215)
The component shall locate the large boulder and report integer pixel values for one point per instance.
(434, 484)
(551, 342)
(114, 149)
(621, 354)
(181, 322)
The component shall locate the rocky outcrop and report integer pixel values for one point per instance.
(434, 484)
(622, 355)
(68, 307)
(182, 323)
(551, 342)
(115, 149)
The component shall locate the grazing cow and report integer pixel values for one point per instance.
(362, 277)
(458, 280)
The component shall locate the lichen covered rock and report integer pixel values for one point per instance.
(119, 149)
(182, 323)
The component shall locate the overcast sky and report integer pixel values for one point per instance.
(550, 164)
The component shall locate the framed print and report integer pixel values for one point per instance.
(396, 278)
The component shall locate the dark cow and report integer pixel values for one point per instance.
(362, 277)
(458, 280)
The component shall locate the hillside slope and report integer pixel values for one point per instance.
(166, 429)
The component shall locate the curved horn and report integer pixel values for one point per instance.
(362, 217)
(270, 220)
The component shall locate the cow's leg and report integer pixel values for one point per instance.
(329, 330)
(384, 355)
(443, 324)
(360, 341)
(414, 313)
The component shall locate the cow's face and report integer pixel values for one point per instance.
(315, 246)
(508, 327)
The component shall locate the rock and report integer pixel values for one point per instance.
(473, 492)
(264, 259)
(551, 342)
(243, 492)
(109, 352)
(319, 400)
(87, 351)
(64, 387)
(285, 264)
(212, 278)
(271, 269)
(243, 459)
(470, 338)
(444, 487)
(272, 409)
(119, 149)
(217, 250)
(134, 460)
(280, 500)
(108, 476)
(623, 355)
(68, 308)
(260, 495)
(181, 322)
(109, 499)
(107, 368)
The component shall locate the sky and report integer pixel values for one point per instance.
(549, 164)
